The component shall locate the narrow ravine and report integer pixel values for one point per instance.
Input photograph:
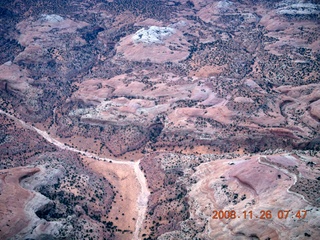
(142, 201)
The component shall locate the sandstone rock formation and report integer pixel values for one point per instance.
(281, 182)
(20, 206)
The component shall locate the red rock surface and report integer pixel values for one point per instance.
(257, 183)
(14, 200)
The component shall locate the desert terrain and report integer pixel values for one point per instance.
(139, 119)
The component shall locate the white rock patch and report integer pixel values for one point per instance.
(152, 35)
(224, 4)
(300, 9)
(53, 18)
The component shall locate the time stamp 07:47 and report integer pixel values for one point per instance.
(263, 214)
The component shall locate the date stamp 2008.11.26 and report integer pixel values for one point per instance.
(263, 214)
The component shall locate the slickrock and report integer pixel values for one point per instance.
(20, 206)
(258, 184)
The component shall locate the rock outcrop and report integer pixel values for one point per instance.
(20, 206)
